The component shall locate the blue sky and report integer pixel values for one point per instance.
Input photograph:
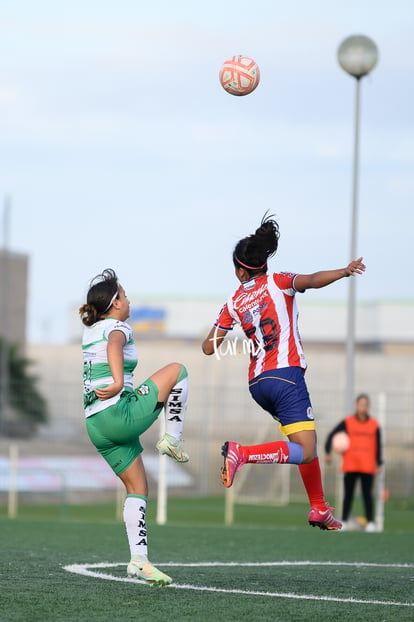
(120, 149)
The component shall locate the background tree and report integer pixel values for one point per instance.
(24, 404)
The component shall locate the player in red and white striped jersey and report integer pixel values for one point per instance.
(265, 308)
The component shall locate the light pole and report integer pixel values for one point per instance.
(357, 55)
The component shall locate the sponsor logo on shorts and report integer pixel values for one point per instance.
(143, 389)
(309, 413)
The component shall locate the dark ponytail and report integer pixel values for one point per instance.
(102, 290)
(253, 251)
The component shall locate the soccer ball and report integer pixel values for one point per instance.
(340, 442)
(240, 75)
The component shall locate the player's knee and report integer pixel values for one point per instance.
(181, 371)
(308, 456)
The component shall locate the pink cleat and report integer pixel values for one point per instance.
(233, 462)
(324, 519)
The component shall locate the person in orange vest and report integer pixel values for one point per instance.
(362, 460)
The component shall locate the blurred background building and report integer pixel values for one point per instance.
(13, 296)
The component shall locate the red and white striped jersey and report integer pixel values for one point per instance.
(265, 307)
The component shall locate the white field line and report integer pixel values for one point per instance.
(87, 570)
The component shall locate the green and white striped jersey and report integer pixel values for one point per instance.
(96, 371)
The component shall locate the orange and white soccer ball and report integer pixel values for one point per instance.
(240, 75)
(340, 442)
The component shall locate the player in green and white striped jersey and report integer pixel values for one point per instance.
(96, 370)
(117, 414)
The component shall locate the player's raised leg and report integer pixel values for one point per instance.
(235, 455)
(172, 383)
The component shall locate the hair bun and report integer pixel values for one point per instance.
(253, 251)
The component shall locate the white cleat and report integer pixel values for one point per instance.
(172, 447)
(141, 568)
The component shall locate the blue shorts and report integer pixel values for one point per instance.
(284, 394)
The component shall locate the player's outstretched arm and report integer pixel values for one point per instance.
(213, 340)
(326, 277)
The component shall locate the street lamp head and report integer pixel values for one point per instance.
(358, 55)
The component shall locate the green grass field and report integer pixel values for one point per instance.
(378, 568)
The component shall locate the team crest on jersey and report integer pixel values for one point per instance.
(309, 413)
(247, 317)
(143, 389)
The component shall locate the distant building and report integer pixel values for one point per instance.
(380, 324)
(13, 296)
(13, 314)
(149, 320)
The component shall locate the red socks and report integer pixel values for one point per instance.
(312, 480)
(267, 452)
(286, 452)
